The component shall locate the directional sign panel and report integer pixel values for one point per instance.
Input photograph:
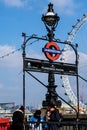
(45, 66)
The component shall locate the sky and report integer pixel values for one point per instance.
(17, 16)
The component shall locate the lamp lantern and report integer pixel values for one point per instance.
(50, 18)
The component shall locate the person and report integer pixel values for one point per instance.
(54, 118)
(18, 119)
(46, 119)
(35, 119)
(48, 115)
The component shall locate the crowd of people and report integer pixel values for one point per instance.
(50, 121)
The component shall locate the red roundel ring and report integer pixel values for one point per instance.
(48, 54)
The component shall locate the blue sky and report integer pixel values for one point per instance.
(17, 16)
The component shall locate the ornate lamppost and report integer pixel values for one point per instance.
(50, 20)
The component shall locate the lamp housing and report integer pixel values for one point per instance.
(50, 18)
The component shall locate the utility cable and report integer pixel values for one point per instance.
(14, 51)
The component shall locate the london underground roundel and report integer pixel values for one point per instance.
(52, 51)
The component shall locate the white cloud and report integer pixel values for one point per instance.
(9, 58)
(82, 62)
(15, 3)
(11, 76)
(71, 57)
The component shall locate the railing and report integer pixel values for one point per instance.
(68, 123)
(64, 125)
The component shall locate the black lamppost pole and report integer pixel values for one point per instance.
(24, 55)
(50, 20)
(77, 79)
